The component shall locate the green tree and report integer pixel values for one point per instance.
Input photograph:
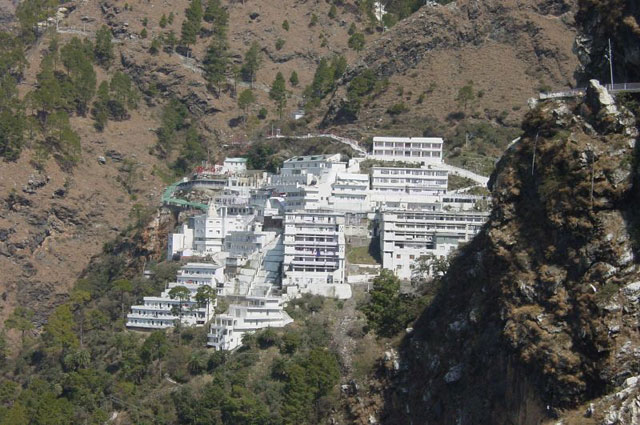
(333, 12)
(356, 41)
(285, 25)
(75, 57)
(465, 95)
(279, 44)
(100, 110)
(154, 348)
(191, 25)
(163, 21)
(388, 311)
(103, 48)
(170, 18)
(216, 62)
(156, 45)
(278, 93)
(170, 41)
(217, 15)
(352, 29)
(123, 287)
(314, 20)
(62, 140)
(21, 319)
(245, 100)
(251, 64)
(293, 79)
(58, 332)
(30, 12)
(182, 294)
(143, 33)
(205, 296)
(145, 21)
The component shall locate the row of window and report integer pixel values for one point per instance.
(414, 145)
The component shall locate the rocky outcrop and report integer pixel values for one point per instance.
(598, 22)
(548, 291)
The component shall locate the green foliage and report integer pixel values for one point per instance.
(397, 109)
(293, 79)
(216, 63)
(356, 41)
(314, 20)
(352, 29)
(465, 95)
(285, 25)
(388, 311)
(103, 49)
(76, 58)
(170, 18)
(279, 44)
(170, 41)
(143, 33)
(21, 319)
(58, 332)
(30, 12)
(156, 45)
(262, 113)
(245, 100)
(163, 21)
(278, 93)
(218, 16)
(325, 77)
(251, 64)
(192, 24)
(333, 12)
(361, 86)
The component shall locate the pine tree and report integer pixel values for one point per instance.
(251, 63)
(216, 62)
(103, 50)
(218, 15)
(163, 21)
(278, 93)
(245, 100)
(293, 79)
(170, 18)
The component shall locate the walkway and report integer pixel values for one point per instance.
(613, 89)
(349, 142)
(457, 171)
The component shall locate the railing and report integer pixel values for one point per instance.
(612, 88)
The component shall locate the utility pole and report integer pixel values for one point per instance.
(610, 57)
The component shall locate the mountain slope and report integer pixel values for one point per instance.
(539, 313)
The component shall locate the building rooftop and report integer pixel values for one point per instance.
(408, 139)
(239, 159)
(311, 158)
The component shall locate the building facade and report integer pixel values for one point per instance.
(427, 150)
(314, 253)
(408, 233)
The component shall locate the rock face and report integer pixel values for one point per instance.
(548, 290)
(599, 21)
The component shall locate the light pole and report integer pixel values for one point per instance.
(609, 56)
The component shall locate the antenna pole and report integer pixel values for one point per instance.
(611, 64)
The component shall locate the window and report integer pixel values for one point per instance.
(398, 256)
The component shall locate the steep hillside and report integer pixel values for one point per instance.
(508, 50)
(539, 314)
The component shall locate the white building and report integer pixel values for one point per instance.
(314, 254)
(427, 150)
(205, 233)
(350, 192)
(164, 312)
(411, 181)
(257, 310)
(412, 230)
(234, 165)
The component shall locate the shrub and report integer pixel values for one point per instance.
(397, 109)
(279, 44)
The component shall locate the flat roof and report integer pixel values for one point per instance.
(239, 159)
(408, 139)
(311, 157)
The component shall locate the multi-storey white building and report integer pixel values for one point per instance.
(426, 150)
(205, 233)
(164, 312)
(257, 310)
(416, 229)
(350, 192)
(314, 254)
(411, 181)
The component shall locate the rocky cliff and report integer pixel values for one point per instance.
(539, 314)
(599, 21)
